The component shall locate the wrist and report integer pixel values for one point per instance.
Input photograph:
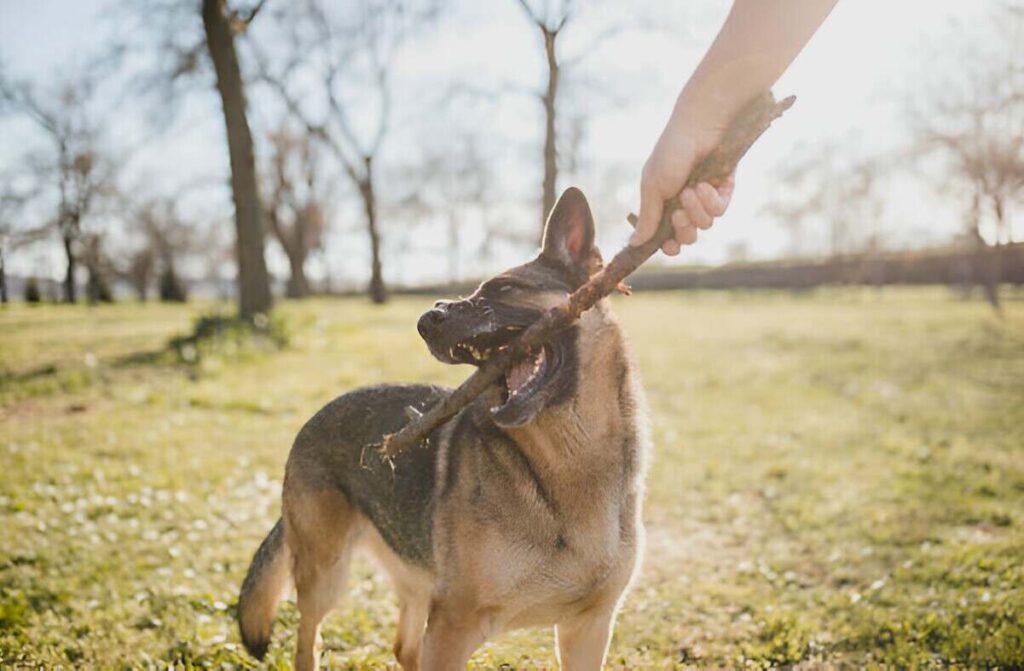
(693, 120)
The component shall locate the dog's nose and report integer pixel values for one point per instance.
(431, 319)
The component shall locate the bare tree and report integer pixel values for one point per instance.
(166, 237)
(99, 267)
(452, 183)
(551, 19)
(826, 188)
(350, 57)
(74, 171)
(221, 25)
(297, 203)
(550, 22)
(971, 117)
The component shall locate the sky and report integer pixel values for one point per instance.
(853, 83)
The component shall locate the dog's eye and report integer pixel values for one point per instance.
(505, 288)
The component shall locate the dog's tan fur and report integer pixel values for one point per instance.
(558, 548)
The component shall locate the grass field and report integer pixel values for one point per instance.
(837, 476)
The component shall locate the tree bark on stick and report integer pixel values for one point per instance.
(253, 281)
(749, 124)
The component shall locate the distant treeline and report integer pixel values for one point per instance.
(950, 266)
(947, 266)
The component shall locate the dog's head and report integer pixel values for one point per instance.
(472, 329)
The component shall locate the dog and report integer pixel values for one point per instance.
(522, 510)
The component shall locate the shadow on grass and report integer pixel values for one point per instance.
(212, 335)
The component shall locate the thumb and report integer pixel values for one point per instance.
(651, 207)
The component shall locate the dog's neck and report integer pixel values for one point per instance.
(574, 436)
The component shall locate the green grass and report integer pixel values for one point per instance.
(837, 476)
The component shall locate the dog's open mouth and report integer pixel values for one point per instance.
(521, 382)
(525, 377)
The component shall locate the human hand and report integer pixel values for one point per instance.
(664, 176)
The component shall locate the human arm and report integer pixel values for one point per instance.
(757, 42)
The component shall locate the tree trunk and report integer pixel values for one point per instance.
(293, 243)
(253, 281)
(378, 292)
(550, 150)
(3, 278)
(998, 209)
(69, 275)
(298, 285)
(453, 247)
(982, 259)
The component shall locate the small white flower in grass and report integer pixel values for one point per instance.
(92, 604)
(189, 573)
(90, 360)
(986, 596)
(174, 551)
(220, 605)
(188, 352)
(878, 584)
(855, 597)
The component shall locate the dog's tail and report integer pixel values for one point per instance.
(262, 590)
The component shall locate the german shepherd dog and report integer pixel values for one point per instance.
(522, 510)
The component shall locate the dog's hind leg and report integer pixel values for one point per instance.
(322, 528)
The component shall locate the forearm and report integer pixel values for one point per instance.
(758, 41)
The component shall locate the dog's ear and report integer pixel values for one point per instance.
(569, 234)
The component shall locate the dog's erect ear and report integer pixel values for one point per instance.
(569, 233)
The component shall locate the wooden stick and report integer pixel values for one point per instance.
(749, 124)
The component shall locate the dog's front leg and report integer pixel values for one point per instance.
(583, 641)
(454, 631)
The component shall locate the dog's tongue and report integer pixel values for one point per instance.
(522, 372)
